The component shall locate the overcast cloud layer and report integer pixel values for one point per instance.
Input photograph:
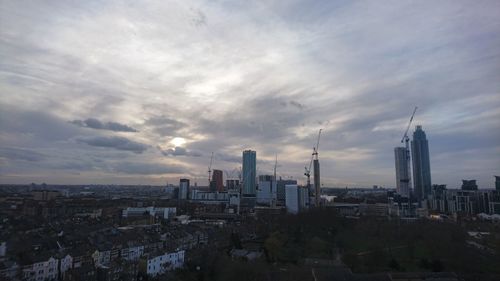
(103, 91)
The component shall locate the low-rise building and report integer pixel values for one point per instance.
(374, 210)
(132, 253)
(44, 269)
(165, 213)
(466, 202)
(158, 264)
(45, 195)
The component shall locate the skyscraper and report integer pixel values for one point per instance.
(421, 164)
(217, 180)
(281, 188)
(497, 183)
(184, 189)
(292, 198)
(469, 185)
(232, 184)
(266, 193)
(402, 172)
(249, 172)
(317, 181)
(296, 198)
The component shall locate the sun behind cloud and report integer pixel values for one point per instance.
(178, 141)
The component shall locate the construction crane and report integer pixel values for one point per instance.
(210, 169)
(316, 148)
(275, 165)
(307, 172)
(314, 155)
(406, 140)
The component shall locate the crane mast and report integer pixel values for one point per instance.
(210, 169)
(317, 181)
(316, 148)
(406, 140)
(275, 165)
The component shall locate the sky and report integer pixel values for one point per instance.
(142, 92)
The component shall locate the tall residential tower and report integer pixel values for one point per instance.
(421, 164)
(249, 172)
(217, 183)
(184, 189)
(402, 172)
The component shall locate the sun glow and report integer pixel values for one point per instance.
(178, 141)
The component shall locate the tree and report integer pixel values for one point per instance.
(236, 241)
(437, 265)
(411, 249)
(394, 264)
(424, 263)
(274, 245)
(351, 260)
(317, 247)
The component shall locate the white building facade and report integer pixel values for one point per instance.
(41, 271)
(132, 253)
(160, 264)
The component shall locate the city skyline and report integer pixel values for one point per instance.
(130, 94)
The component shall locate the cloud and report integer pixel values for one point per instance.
(199, 18)
(147, 168)
(165, 126)
(179, 151)
(119, 143)
(355, 69)
(297, 104)
(14, 154)
(96, 124)
(228, 157)
(33, 125)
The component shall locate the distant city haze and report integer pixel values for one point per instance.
(136, 93)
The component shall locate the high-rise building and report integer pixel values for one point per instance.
(183, 189)
(421, 164)
(303, 198)
(292, 198)
(217, 181)
(232, 184)
(317, 182)
(402, 172)
(497, 183)
(249, 172)
(296, 198)
(281, 189)
(469, 185)
(267, 191)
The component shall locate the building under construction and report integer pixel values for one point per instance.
(314, 163)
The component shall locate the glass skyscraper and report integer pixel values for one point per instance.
(249, 172)
(421, 164)
(402, 172)
(184, 189)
